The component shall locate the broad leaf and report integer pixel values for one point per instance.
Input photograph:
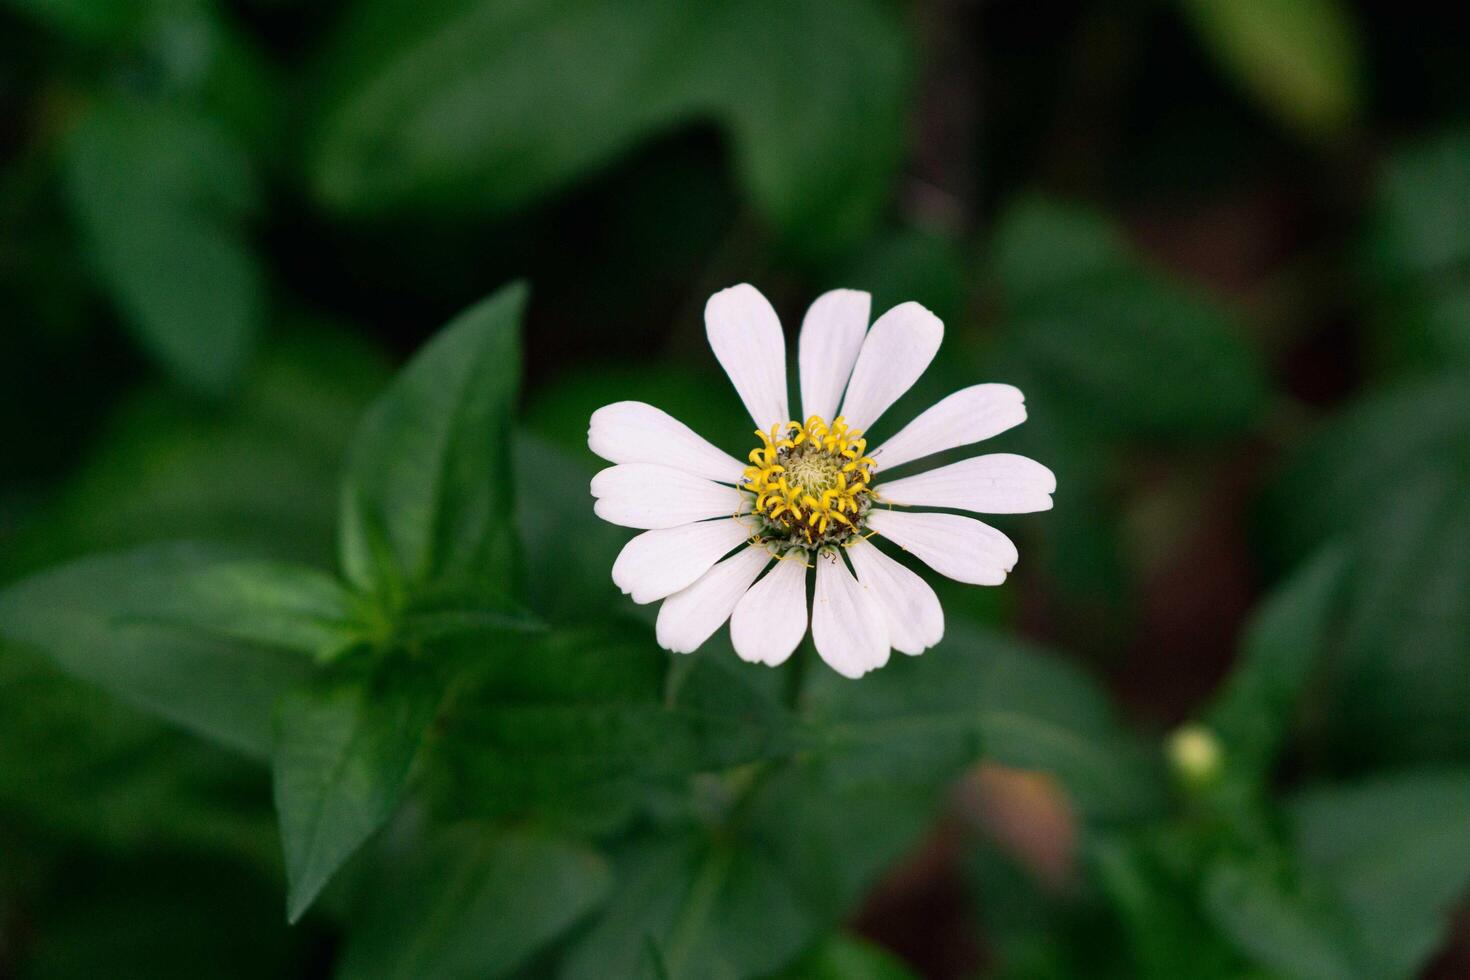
(428, 495)
(1419, 253)
(849, 958)
(1301, 59)
(1388, 477)
(567, 551)
(1368, 454)
(490, 105)
(270, 603)
(98, 620)
(1398, 849)
(262, 471)
(161, 195)
(1111, 342)
(977, 695)
(1153, 899)
(578, 725)
(789, 861)
(1294, 934)
(1285, 643)
(70, 751)
(343, 751)
(473, 904)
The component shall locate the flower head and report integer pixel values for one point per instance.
(809, 494)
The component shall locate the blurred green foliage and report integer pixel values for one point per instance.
(288, 632)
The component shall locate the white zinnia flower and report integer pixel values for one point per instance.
(811, 493)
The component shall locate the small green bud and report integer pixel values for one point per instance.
(1196, 755)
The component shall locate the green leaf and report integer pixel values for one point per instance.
(428, 492)
(473, 904)
(576, 726)
(97, 620)
(262, 471)
(1368, 454)
(485, 105)
(1301, 59)
(1422, 206)
(1387, 477)
(1041, 245)
(1286, 641)
(1419, 253)
(1401, 687)
(270, 603)
(567, 551)
(1164, 928)
(1297, 935)
(849, 958)
(341, 760)
(787, 863)
(1110, 343)
(1398, 849)
(70, 751)
(979, 695)
(157, 189)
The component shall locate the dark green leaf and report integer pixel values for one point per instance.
(1369, 454)
(428, 495)
(1296, 935)
(577, 725)
(160, 195)
(911, 265)
(95, 618)
(1041, 245)
(978, 695)
(848, 958)
(1111, 342)
(1163, 926)
(1423, 209)
(1398, 849)
(1400, 691)
(1419, 250)
(270, 603)
(69, 752)
(1301, 59)
(342, 755)
(490, 105)
(567, 551)
(262, 471)
(1388, 478)
(789, 863)
(473, 904)
(1287, 640)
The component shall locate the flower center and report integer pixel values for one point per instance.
(812, 483)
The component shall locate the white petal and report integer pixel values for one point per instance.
(643, 495)
(895, 352)
(636, 432)
(1000, 483)
(847, 626)
(770, 619)
(688, 618)
(960, 547)
(967, 416)
(745, 334)
(910, 607)
(659, 563)
(831, 336)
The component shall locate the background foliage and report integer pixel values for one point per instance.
(306, 617)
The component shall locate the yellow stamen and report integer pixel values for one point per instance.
(810, 481)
